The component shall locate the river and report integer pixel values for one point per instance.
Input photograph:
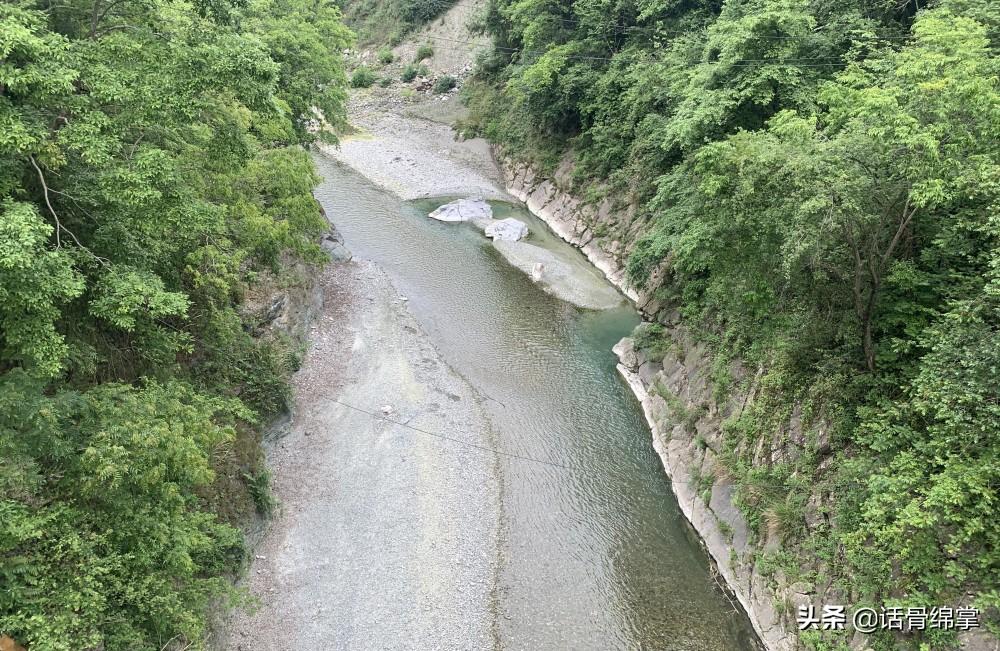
(595, 551)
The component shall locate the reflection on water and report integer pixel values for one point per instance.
(597, 553)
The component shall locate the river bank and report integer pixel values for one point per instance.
(378, 542)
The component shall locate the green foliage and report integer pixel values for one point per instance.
(373, 20)
(151, 167)
(815, 186)
(444, 83)
(652, 338)
(103, 539)
(417, 12)
(425, 51)
(385, 56)
(412, 71)
(260, 490)
(35, 280)
(305, 40)
(363, 78)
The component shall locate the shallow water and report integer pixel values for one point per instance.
(596, 552)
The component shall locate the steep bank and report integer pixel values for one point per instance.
(378, 543)
(687, 431)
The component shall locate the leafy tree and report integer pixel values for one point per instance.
(151, 167)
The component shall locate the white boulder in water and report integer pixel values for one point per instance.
(506, 229)
(464, 210)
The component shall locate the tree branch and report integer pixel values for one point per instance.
(59, 226)
(907, 217)
(96, 18)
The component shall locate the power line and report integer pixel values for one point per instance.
(511, 455)
(658, 31)
(445, 437)
(804, 62)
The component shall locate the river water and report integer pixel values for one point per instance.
(596, 553)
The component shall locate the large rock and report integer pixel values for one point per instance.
(464, 210)
(333, 244)
(507, 229)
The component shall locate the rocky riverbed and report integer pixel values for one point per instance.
(387, 536)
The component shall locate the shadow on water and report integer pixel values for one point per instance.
(598, 554)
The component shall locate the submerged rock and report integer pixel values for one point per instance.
(464, 210)
(558, 276)
(507, 229)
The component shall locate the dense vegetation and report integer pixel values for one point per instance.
(388, 21)
(151, 170)
(820, 184)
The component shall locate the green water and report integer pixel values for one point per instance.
(596, 552)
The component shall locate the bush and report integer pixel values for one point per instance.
(411, 72)
(425, 51)
(444, 84)
(362, 78)
(385, 82)
(652, 338)
(421, 11)
(385, 56)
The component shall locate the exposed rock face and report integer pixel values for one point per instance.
(572, 220)
(8, 644)
(476, 211)
(507, 229)
(687, 450)
(290, 303)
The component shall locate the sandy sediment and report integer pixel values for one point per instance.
(386, 537)
(412, 157)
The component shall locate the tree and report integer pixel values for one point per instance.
(151, 167)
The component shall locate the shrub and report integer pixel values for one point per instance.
(385, 56)
(259, 485)
(385, 82)
(421, 11)
(412, 71)
(362, 78)
(653, 338)
(425, 51)
(444, 84)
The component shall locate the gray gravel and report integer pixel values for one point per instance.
(413, 157)
(387, 538)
